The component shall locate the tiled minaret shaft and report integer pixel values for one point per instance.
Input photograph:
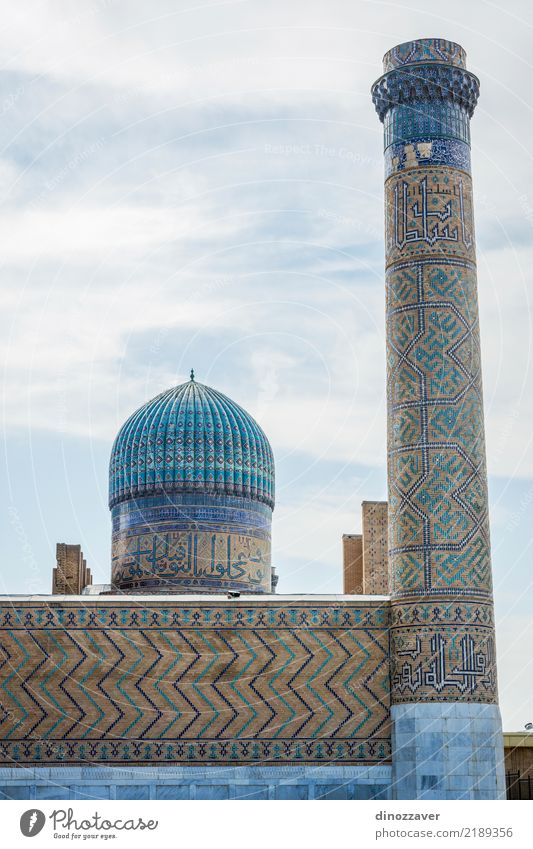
(447, 730)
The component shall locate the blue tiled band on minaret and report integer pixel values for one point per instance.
(421, 150)
(426, 108)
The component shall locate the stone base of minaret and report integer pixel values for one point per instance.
(447, 751)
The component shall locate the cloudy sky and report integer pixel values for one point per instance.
(200, 184)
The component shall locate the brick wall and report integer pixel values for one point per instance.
(375, 547)
(352, 554)
(152, 680)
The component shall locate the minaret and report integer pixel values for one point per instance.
(447, 740)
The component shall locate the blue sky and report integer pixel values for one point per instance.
(200, 184)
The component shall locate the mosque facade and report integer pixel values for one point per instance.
(189, 675)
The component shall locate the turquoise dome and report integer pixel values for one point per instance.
(191, 438)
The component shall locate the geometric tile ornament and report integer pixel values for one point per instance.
(191, 492)
(191, 437)
(425, 50)
(210, 683)
(439, 547)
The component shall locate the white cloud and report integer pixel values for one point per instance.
(86, 233)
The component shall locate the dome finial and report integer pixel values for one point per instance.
(192, 374)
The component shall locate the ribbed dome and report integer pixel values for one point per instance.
(191, 438)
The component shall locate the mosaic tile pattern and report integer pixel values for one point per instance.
(426, 88)
(442, 637)
(426, 151)
(167, 613)
(191, 491)
(186, 543)
(185, 511)
(196, 752)
(424, 50)
(191, 438)
(177, 561)
(452, 610)
(435, 661)
(428, 213)
(113, 683)
(427, 123)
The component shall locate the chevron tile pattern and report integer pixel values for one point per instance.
(71, 692)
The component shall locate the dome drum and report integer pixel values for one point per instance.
(191, 497)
